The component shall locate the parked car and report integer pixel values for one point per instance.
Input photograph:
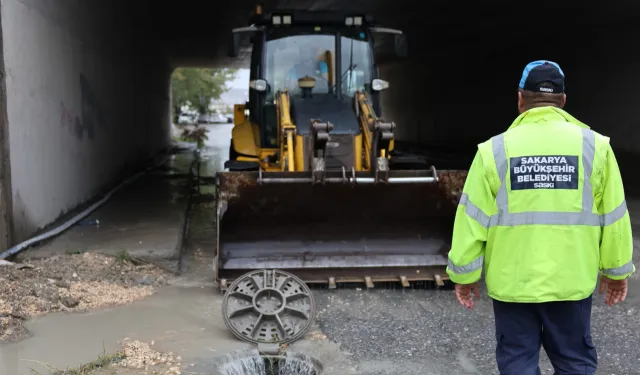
(186, 119)
(212, 118)
(205, 118)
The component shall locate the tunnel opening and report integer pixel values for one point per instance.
(201, 95)
(203, 101)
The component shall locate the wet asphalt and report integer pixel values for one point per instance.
(424, 331)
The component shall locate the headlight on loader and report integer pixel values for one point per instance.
(258, 84)
(379, 84)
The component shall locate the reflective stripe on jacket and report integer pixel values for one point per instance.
(542, 212)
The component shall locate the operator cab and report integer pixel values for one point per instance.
(322, 59)
(296, 52)
(338, 59)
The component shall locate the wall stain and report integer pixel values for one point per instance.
(23, 224)
(92, 114)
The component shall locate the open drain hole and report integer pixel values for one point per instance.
(280, 365)
(253, 363)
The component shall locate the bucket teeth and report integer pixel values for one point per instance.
(332, 283)
(404, 281)
(368, 282)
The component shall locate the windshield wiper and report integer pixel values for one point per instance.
(348, 71)
(352, 66)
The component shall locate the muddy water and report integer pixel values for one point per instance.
(184, 319)
(186, 316)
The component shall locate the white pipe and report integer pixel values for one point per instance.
(57, 230)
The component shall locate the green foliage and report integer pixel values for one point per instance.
(196, 87)
(227, 109)
(196, 135)
(103, 361)
(123, 256)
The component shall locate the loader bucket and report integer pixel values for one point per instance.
(335, 232)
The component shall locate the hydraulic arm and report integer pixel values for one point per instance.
(378, 137)
(286, 131)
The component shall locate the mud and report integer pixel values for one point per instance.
(70, 282)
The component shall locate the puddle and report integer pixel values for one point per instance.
(185, 321)
(216, 150)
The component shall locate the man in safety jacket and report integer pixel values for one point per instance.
(543, 212)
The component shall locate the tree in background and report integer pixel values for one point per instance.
(196, 87)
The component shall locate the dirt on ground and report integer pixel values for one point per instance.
(70, 282)
(135, 358)
(140, 355)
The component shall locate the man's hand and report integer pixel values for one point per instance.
(464, 294)
(616, 290)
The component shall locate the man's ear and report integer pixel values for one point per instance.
(564, 100)
(520, 102)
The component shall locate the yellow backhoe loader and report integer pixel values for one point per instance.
(314, 186)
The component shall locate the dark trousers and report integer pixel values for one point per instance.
(562, 328)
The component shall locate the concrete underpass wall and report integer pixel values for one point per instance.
(463, 89)
(72, 100)
(605, 89)
(152, 77)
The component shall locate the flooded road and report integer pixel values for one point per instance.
(199, 246)
(366, 332)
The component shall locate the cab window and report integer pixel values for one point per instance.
(293, 57)
(356, 65)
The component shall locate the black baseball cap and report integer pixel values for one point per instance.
(543, 71)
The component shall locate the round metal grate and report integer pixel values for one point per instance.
(268, 306)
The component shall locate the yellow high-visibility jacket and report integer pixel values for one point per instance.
(543, 212)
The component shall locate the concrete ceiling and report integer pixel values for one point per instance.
(195, 32)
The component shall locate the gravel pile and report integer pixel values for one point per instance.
(140, 355)
(70, 282)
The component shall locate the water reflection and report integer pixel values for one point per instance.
(216, 149)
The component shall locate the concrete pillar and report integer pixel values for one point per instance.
(6, 221)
